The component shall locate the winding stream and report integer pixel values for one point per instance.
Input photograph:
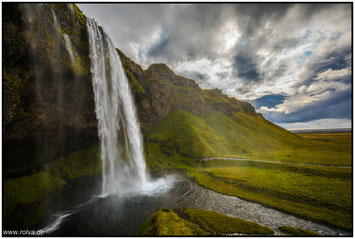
(114, 215)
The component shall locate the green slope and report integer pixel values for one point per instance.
(241, 135)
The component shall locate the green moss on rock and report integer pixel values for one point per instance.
(25, 197)
(136, 87)
(31, 188)
(27, 193)
(166, 223)
(80, 163)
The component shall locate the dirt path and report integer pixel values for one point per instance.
(277, 162)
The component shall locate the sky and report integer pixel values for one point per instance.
(292, 62)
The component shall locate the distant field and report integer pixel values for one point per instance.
(335, 136)
(320, 148)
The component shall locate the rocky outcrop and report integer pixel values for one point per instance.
(158, 91)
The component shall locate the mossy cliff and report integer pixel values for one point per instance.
(49, 121)
(48, 101)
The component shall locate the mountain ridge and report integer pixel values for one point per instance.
(158, 91)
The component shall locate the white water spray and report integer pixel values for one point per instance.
(121, 142)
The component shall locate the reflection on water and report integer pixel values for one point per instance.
(113, 215)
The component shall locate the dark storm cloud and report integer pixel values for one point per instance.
(279, 71)
(253, 16)
(309, 10)
(334, 60)
(246, 68)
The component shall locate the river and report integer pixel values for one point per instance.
(113, 215)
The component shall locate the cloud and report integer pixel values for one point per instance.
(318, 124)
(202, 79)
(252, 17)
(336, 105)
(246, 68)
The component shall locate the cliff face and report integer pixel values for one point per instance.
(159, 91)
(48, 100)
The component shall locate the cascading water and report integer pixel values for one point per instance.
(69, 47)
(121, 142)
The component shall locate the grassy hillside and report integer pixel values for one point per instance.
(317, 193)
(242, 135)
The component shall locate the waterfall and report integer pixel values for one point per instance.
(119, 132)
(69, 47)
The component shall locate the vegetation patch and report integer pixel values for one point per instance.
(28, 192)
(25, 197)
(297, 231)
(79, 163)
(218, 224)
(166, 223)
(133, 82)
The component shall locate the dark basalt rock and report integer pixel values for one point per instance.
(48, 102)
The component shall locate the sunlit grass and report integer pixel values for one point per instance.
(309, 192)
(218, 224)
(165, 222)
